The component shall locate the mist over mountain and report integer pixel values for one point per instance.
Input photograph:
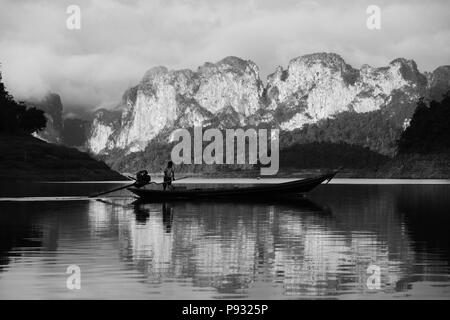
(28, 158)
(52, 106)
(60, 129)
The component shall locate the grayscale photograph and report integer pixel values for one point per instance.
(217, 151)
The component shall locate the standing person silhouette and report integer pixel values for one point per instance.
(169, 175)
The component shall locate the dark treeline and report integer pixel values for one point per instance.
(330, 155)
(314, 155)
(16, 118)
(373, 130)
(429, 129)
(158, 152)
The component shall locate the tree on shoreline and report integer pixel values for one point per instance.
(16, 118)
(429, 129)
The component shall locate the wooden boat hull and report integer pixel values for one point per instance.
(263, 190)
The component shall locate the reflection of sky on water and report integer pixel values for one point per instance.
(201, 250)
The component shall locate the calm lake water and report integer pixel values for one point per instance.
(316, 248)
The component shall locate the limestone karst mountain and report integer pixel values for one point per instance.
(230, 93)
(70, 131)
(52, 106)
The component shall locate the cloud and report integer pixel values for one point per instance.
(120, 40)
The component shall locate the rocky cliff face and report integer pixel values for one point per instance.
(72, 132)
(318, 86)
(438, 82)
(52, 106)
(169, 99)
(230, 93)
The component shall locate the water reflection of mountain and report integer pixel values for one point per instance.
(236, 246)
(261, 250)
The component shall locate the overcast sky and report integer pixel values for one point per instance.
(119, 40)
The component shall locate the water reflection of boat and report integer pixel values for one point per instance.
(142, 213)
(301, 204)
(167, 211)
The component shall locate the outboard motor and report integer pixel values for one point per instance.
(142, 178)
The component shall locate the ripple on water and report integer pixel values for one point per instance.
(232, 250)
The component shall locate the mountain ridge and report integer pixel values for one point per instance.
(313, 87)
